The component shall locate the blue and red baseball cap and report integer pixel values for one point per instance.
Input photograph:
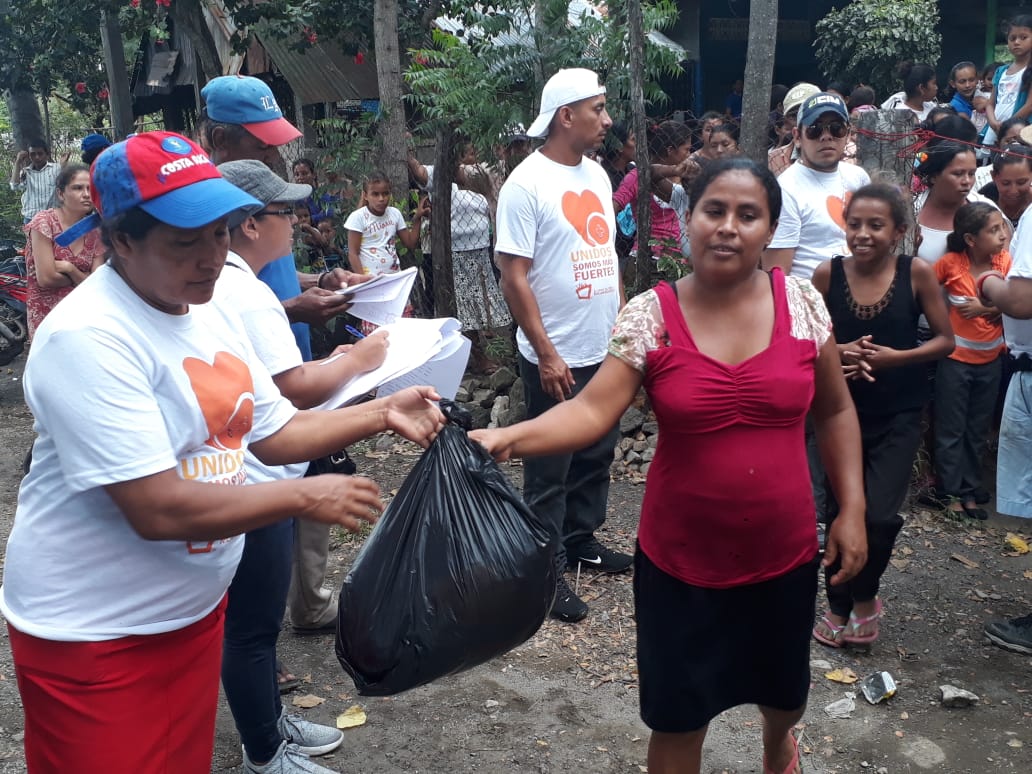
(166, 176)
(247, 101)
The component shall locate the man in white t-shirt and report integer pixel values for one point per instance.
(815, 190)
(561, 280)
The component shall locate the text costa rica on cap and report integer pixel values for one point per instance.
(165, 175)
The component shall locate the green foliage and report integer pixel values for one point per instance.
(490, 78)
(304, 22)
(52, 48)
(866, 40)
(67, 129)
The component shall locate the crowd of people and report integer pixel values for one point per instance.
(795, 368)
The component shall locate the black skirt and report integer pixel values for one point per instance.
(702, 650)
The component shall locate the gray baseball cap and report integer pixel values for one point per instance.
(262, 183)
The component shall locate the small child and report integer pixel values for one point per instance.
(968, 381)
(979, 103)
(373, 227)
(1011, 83)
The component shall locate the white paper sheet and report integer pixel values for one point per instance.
(383, 299)
(411, 343)
(443, 371)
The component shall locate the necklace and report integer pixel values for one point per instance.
(869, 311)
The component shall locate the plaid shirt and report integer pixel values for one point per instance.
(38, 186)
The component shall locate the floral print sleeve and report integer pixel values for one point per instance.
(810, 318)
(639, 328)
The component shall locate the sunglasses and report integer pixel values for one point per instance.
(838, 130)
(285, 212)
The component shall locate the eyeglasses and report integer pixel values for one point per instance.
(286, 212)
(838, 130)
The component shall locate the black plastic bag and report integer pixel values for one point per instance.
(457, 571)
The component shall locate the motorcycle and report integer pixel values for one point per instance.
(14, 291)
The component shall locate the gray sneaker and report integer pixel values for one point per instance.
(310, 738)
(288, 760)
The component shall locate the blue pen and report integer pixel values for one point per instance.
(354, 332)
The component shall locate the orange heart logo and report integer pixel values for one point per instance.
(225, 393)
(837, 207)
(584, 212)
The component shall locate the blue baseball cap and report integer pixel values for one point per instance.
(94, 141)
(247, 101)
(165, 175)
(820, 103)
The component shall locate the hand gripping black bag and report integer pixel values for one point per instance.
(457, 571)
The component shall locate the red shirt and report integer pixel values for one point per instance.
(728, 499)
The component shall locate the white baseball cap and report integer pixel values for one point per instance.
(564, 88)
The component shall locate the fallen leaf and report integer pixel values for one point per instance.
(899, 734)
(308, 701)
(906, 550)
(1017, 543)
(846, 675)
(1027, 574)
(352, 717)
(1015, 743)
(904, 716)
(899, 564)
(964, 561)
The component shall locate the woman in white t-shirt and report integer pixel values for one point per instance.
(948, 171)
(129, 522)
(920, 90)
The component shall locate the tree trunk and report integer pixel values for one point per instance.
(26, 121)
(641, 277)
(392, 110)
(440, 225)
(188, 16)
(759, 72)
(119, 99)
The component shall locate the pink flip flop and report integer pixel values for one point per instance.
(834, 635)
(793, 765)
(855, 624)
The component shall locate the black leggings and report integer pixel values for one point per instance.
(890, 444)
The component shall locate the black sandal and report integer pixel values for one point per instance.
(284, 679)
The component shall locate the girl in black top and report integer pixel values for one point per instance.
(875, 298)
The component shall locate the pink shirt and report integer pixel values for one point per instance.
(666, 230)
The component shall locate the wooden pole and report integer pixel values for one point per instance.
(759, 72)
(641, 277)
(119, 99)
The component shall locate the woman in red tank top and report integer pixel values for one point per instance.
(733, 359)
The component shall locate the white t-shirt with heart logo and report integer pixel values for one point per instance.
(120, 391)
(812, 208)
(562, 219)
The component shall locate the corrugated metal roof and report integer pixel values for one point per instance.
(576, 11)
(323, 73)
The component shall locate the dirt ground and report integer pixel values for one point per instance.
(567, 700)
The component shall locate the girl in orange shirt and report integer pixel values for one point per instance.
(967, 382)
